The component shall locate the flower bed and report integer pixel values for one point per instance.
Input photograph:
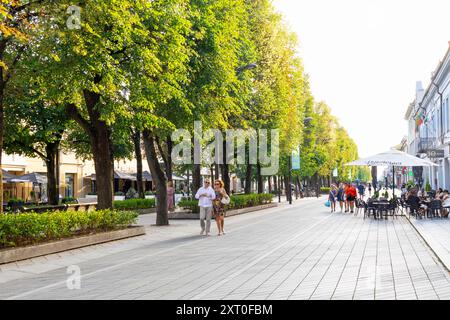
(31, 228)
(237, 202)
(134, 204)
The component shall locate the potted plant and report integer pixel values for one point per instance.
(119, 196)
(428, 187)
(149, 195)
(131, 194)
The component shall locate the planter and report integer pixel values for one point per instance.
(150, 197)
(22, 253)
(91, 196)
(119, 198)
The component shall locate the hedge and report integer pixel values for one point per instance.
(134, 204)
(30, 228)
(325, 190)
(237, 201)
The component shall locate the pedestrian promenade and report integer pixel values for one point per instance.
(436, 233)
(289, 252)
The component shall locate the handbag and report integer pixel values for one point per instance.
(328, 203)
(225, 200)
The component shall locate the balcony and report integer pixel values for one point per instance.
(426, 144)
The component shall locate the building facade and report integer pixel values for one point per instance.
(429, 127)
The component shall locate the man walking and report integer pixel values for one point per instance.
(205, 196)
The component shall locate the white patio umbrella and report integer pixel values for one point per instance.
(394, 158)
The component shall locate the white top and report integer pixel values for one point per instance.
(205, 201)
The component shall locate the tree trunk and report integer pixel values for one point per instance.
(51, 152)
(196, 178)
(226, 168)
(104, 167)
(169, 165)
(286, 187)
(374, 178)
(269, 180)
(101, 146)
(248, 178)
(212, 174)
(260, 178)
(159, 178)
(2, 92)
(1, 138)
(216, 171)
(275, 183)
(138, 154)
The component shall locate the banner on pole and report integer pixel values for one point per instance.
(295, 160)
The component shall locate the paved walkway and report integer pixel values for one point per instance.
(436, 233)
(290, 252)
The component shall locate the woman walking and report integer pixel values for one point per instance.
(341, 196)
(332, 198)
(219, 203)
(170, 193)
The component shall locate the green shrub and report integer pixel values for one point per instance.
(325, 190)
(149, 193)
(428, 187)
(134, 204)
(237, 201)
(29, 228)
(188, 204)
(14, 203)
(119, 193)
(68, 200)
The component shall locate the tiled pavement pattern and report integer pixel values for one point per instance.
(436, 232)
(298, 252)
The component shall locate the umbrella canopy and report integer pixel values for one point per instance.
(123, 175)
(393, 158)
(178, 178)
(7, 176)
(146, 176)
(31, 177)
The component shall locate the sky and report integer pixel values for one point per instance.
(364, 57)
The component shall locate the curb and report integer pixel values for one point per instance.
(16, 254)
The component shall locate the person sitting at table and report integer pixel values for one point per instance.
(414, 202)
(445, 204)
(438, 194)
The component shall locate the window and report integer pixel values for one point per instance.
(446, 116)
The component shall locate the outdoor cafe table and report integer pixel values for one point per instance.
(378, 205)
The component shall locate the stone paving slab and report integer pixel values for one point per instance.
(436, 233)
(289, 252)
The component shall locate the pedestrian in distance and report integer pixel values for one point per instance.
(361, 191)
(205, 196)
(332, 197)
(170, 193)
(346, 186)
(221, 199)
(351, 197)
(341, 196)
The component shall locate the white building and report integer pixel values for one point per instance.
(429, 125)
